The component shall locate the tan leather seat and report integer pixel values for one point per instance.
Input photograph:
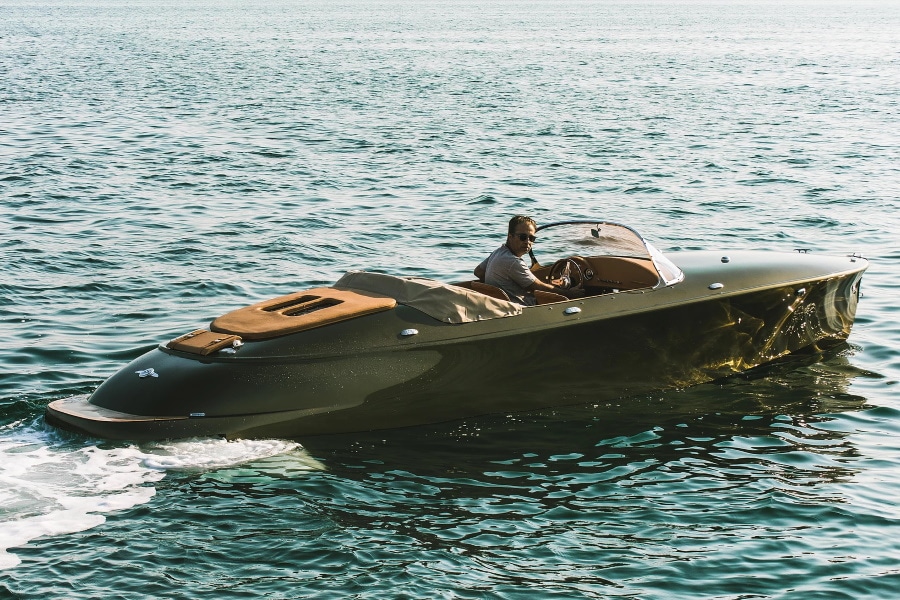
(493, 291)
(543, 297)
(489, 290)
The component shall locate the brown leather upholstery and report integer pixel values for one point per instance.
(622, 273)
(300, 311)
(489, 290)
(543, 297)
(493, 291)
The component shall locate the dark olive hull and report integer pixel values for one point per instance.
(362, 374)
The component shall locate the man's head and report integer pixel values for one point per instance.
(520, 235)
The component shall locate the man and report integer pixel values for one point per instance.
(506, 269)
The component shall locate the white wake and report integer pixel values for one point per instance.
(52, 484)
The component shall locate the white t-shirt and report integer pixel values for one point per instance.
(510, 273)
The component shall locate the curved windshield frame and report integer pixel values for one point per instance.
(600, 238)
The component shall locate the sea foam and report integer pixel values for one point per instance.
(54, 484)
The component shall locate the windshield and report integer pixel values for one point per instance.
(590, 238)
(599, 238)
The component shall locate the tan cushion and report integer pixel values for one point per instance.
(300, 311)
(543, 297)
(489, 290)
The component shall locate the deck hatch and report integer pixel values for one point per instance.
(309, 307)
(299, 311)
(304, 299)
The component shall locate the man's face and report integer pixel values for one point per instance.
(519, 246)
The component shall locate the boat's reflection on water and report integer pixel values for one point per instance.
(774, 410)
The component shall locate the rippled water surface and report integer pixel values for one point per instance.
(161, 163)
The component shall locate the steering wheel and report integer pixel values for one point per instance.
(573, 268)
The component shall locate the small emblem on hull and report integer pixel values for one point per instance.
(147, 373)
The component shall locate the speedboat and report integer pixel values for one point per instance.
(374, 351)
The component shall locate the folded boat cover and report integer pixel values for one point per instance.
(447, 303)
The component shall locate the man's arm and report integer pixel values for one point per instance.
(555, 286)
(480, 272)
(540, 285)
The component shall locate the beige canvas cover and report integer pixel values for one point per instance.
(447, 303)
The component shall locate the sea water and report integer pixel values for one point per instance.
(164, 162)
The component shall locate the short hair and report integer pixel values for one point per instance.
(518, 220)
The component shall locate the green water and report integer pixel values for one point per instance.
(164, 163)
